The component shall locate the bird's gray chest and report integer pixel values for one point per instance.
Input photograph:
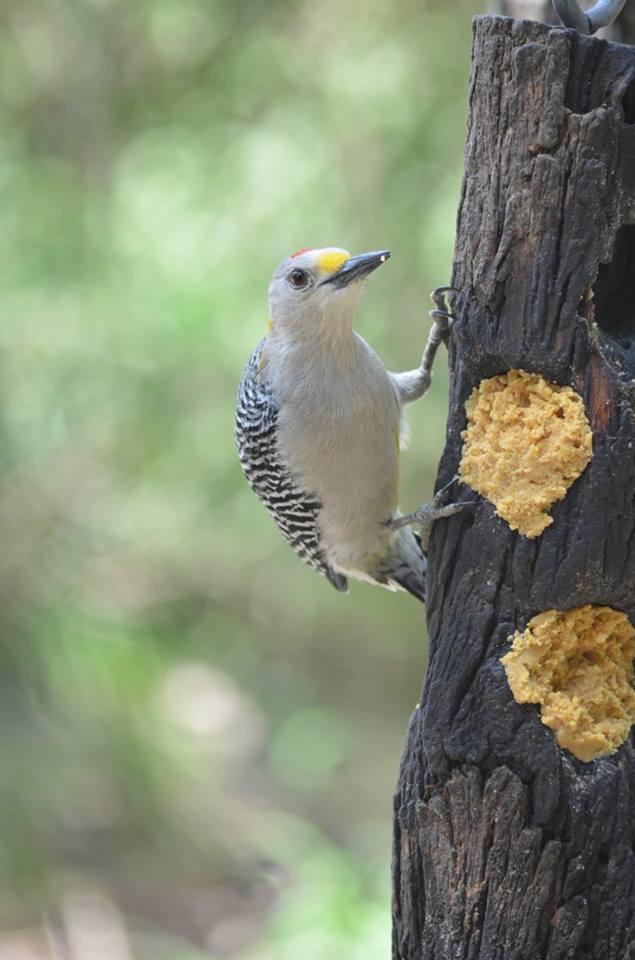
(343, 429)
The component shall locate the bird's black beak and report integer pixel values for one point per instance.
(357, 267)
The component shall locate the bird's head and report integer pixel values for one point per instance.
(317, 290)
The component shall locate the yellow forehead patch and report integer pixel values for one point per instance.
(331, 261)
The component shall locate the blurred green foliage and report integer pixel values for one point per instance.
(200, 737)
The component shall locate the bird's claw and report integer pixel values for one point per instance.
(442, 315)
(428, 513)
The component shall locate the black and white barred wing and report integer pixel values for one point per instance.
(295, 511)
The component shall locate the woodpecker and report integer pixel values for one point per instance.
(319, 426)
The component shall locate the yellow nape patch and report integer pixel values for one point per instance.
(332, 260)
(269, 324)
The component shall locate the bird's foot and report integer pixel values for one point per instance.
(428, 513)
(442, 315)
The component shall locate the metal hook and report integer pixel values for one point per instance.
(600, 15)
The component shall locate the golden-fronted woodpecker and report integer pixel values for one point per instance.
(319, 426)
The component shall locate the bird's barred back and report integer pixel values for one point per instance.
(295, 511)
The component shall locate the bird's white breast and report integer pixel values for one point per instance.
(338, 433)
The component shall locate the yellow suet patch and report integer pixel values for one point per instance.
(527, 440)
(331, 261)
(578, 665)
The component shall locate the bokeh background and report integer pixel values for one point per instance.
(199, 737)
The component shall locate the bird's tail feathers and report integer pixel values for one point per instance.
(407, 570)
(410, 580)
(338, 580)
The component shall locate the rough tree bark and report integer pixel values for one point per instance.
(506, 846)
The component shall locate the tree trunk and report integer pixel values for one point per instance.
(506, 845)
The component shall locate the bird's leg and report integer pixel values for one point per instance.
(414, 383)
(427, 514)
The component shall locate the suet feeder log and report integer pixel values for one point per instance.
(507, 845)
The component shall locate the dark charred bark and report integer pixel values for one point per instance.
(506, 846)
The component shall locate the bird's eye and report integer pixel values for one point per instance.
(298, 278)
